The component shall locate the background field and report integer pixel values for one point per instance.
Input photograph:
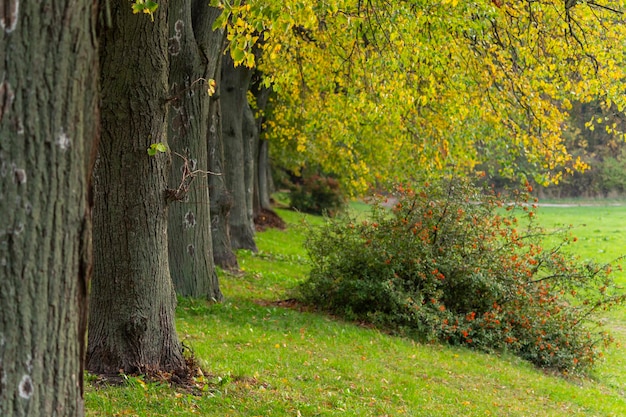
(262, 358)
(601, 233)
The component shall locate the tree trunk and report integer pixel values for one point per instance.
(193, 61)
(263, 174)
(237, 151)
(264, 215)
(221, 199)
(131, 326)
(250, 135)
(48, 88)
(264, 179)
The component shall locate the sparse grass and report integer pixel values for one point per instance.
(266, 360)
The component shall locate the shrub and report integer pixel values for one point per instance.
(318, 194)
(454, 264)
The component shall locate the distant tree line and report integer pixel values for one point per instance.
(595, 134)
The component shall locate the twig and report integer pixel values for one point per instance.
(187, 178)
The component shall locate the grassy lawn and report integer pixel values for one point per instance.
(262, 359)
(601, 233)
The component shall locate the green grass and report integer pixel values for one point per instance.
(265, 360)
(601, 233)
(601, 230)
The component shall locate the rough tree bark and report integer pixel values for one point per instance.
(238, 151)
(250, 136)
(131, 323)
(221, 199)
(194, 54)
(263, 178)
(48, 122)
(264, 214)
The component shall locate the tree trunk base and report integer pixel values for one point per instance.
(241, 237)
(226, 260)
(181, 378)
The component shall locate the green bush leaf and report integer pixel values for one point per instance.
(452, 263)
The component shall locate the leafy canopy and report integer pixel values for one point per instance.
(370, 91)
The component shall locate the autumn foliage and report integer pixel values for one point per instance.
(455, 264)
(358, 86)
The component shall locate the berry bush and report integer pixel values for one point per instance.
(455, 264)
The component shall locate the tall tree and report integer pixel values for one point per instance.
(221, 199)
(238, 130)
(194, 56)
(263, 185)
(48, 122)
(131, 324)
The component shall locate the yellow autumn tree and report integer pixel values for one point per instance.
(369, 90)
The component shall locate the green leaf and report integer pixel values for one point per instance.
(237, 54)
(145, 6)
(157, 147)
(221, 20)
(151, 5)
(138, 7)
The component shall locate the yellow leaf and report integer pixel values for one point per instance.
(211, 86)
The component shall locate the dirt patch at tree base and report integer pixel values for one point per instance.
(268, 219)
(185, 379)
(193, 380)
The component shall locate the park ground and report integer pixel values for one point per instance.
(262, 355)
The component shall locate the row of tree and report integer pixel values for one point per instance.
(87, 88)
